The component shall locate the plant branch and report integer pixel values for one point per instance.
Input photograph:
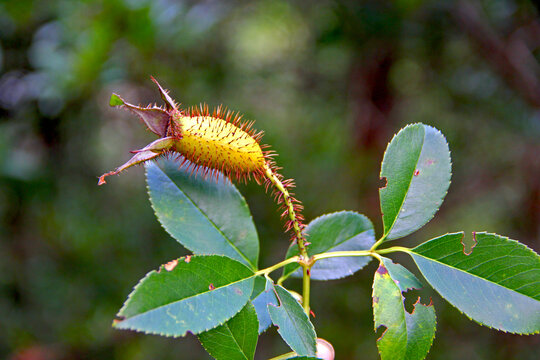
(284, 356)
(306, 282)
(378, 243)
(300, 241)
(268, 270)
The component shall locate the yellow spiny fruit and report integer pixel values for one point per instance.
(219, 144)
(219, 141)
(211, 143)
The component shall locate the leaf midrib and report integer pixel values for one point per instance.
(409, 185)
(291, 319)
(192, 296)
(235, 341)
(476, 276)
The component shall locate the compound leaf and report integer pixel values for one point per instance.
(407, 335)
(417, 169)
(205, 216)
(497, 284)
(340, 231)
(293, 323)
(195, 293)
(234, 340)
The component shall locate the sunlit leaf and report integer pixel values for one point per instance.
(193, 294)
(407, 336)
(234, 340)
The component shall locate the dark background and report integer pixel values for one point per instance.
(329, 82)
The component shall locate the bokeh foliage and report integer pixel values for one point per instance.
(329, 82)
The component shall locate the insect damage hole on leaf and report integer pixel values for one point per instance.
(383, 182)
(468, 246)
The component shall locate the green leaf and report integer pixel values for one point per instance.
(234, 340)
(417, 169)
(497, 284)
(193, 294)
(116, 100)
(407, 335)
(404, 279)
(340, 231)
(261, 301)
(293, 323)
(205, 216)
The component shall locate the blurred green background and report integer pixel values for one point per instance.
(329, 82)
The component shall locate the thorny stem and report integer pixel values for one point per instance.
(300, 241)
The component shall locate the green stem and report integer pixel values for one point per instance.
(284, 356)
(306, 289)
(268, 270)
(342, 254)
(327, 255)
(394, 249)
(378, 242)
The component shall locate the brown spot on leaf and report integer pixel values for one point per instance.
(211, 287)
(171, 265)
(416, 172)
(382, 270)
(384, 182)
(375, 299)
(118, 319)
(187, 258)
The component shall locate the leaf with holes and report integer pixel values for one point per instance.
(417, 169)
(206, 217)
(293, 323)
(406, 335)
(193, 294)
(234, 340)
(340, 231)
(497, 284)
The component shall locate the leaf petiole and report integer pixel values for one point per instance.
(268, 270)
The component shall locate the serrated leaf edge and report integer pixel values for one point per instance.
(231, 333)
(116, 323)
(405, 312)
(253, 266)
(280, 305)
(405, 197)
(470, 318)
